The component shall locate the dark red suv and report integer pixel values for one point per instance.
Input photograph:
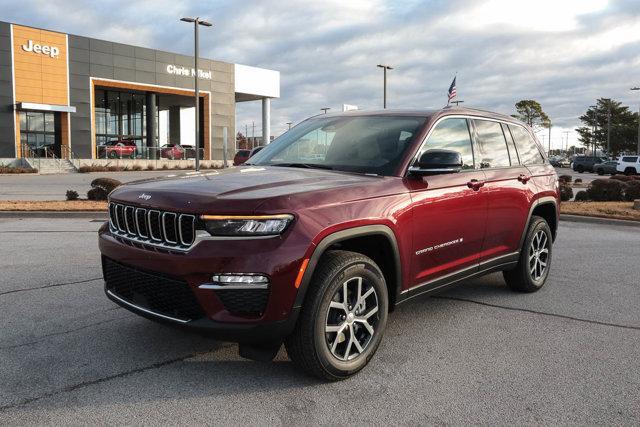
(331, 226)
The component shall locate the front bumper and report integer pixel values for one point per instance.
(276, 258)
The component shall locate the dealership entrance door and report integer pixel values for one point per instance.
(40, 133)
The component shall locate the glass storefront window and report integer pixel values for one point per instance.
(38, 130)
(119, 116)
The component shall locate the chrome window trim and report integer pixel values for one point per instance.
(164, 226)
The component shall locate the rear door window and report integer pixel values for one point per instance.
(631, 159)
(492, 146)
(526, 145)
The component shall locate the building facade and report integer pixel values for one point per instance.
(65, 95)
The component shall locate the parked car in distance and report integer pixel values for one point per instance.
(118, 149)
(606, 168)
(243, 155)
(629, 165)
(177, 152)
(585, 163)
(316, 255)
(559, 162)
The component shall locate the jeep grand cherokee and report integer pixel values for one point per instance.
(330, 227)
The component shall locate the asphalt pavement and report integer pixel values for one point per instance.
(478, 354)
(55, 186)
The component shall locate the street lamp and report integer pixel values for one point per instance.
(325, 109)
(385, 68)
(289, 124)
(196, 21)
(457, 102)
(638, 149)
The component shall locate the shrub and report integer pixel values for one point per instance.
(165, 167)
(107, 184)
(606, 190)
(136, 168)
(581, 196)
(150, 167)
(17, 170)
(632, 191)
(97, 193)
(566, 178)
(566, 192)
(72, 195)
(113, 169)
(578, 181)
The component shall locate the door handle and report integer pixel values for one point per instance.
(524, 178)
(475, 184)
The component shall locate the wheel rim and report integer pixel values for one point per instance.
(538, 255)
(351, 319)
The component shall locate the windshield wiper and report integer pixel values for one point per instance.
(303, 165)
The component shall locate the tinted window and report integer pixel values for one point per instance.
(527, 148)
(513, 154)
(629, 159)
(451, 134)
(492, 147)
(364, 144)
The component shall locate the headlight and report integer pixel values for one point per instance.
(259, 225)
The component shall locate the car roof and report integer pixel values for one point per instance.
(427, 113)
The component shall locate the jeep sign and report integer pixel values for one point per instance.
(51, 51)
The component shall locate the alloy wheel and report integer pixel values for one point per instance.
(538, 255)
(351, 319)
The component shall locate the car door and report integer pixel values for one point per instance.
(509, 189)
(449, 210)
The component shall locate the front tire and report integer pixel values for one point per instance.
(532, 269)
(343, 317)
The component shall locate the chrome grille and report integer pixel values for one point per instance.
(152, 227)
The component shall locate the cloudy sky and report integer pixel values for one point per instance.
(563, 53)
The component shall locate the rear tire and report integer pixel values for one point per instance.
(600, 172)
(336, 336)
(580, 169)
(532, 270)
(629, 171)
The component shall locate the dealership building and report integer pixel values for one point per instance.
(67, 95)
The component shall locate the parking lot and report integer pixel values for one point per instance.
(569, 354)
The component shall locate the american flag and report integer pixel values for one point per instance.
(452, 91)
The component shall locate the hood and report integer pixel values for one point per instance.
(238, 190)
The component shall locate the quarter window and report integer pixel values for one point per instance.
(492, 145)
(451, 134)
(513, 153)
(629, 159)
(526, 145)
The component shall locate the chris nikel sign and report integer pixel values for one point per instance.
(188, 72)
(43, 49)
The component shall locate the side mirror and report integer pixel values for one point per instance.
(433, 162)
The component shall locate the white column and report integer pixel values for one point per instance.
(266, 120)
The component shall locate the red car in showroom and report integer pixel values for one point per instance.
(177, 152)
(118, 149)
(317, 238)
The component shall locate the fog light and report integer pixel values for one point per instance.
(237, 281)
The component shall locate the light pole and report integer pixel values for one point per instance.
(638, 149)
(457, 102)
(196, 21)
(385, 68)
(289, 124)
(325, 109)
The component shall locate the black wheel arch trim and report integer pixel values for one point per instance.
(546, 200)
(342, 235)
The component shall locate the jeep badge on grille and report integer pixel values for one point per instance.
(144, 196)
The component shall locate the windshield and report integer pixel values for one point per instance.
(371, 144)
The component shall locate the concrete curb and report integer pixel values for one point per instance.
(598, 220)
(55, 214)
